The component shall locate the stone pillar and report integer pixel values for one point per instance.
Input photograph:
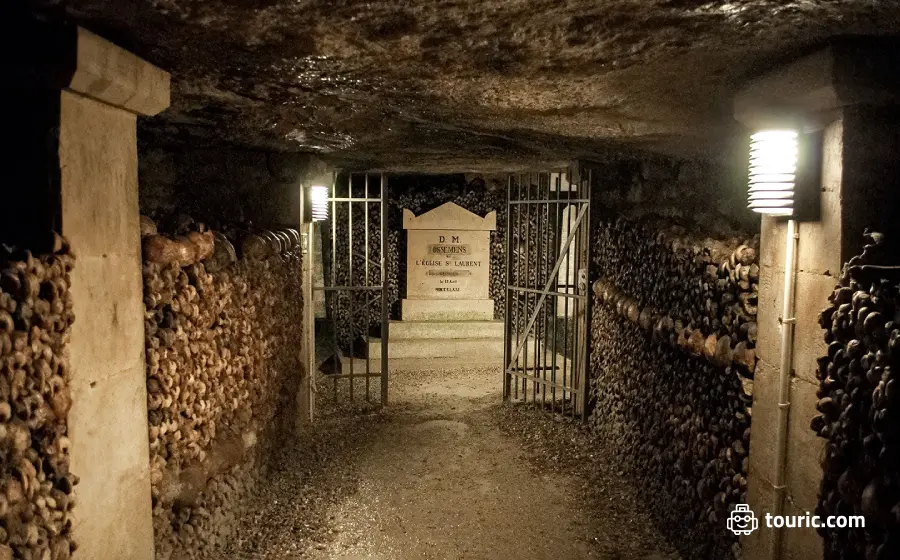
(98, 90)
(859, 135)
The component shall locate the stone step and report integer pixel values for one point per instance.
(440, 348)
(402, 330)
(473, 360)
(447, 309)
(421, 364)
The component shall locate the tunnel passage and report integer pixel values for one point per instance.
(682, 266)
(168, 289)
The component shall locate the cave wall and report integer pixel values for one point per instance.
(673, 334)
(221, 186)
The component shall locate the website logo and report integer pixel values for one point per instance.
(742, 521)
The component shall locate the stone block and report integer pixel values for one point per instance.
(761, 543)
(765, 421)
(98, 163)
(805, 449)
(447, 310)
(772, 242)
(802, 543)
(417, 364)
(811, 297)
(449, 216)
(811, 293)
(448, 264)
(110, 450)
(118, 77)
(400, 330)
(849, 71)
(449, 349)
(108, 335)
(771, 296)
(448, 253)
(819, 245)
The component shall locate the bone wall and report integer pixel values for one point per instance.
(672, 360)
(223, 331)
(35, 398)
(223, 337)
(857, 405)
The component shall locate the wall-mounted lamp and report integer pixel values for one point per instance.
(773, 171)
(318, 198)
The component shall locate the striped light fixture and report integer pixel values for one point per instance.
(773, 171)
(319, 201)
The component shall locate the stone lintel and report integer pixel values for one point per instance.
(450, 216)
(54, 55)
(849, 71)
(117, 77)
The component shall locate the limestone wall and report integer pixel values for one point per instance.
(99, 217)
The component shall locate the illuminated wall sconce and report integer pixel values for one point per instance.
(318, 198)
(773, 171)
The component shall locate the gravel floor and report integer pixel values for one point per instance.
(446, 472)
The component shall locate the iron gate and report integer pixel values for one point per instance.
(355, 289)
(547, 299)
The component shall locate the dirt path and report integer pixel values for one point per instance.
(436, 477)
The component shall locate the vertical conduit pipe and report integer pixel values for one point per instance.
(784, 379)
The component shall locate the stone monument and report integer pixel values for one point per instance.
(448, 265)
(448, 318)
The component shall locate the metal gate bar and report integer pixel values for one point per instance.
(548, 251)
(346, 289)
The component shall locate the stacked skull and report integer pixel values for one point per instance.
(36, 499)
(673, 348)
(222, 341)
(859, 403)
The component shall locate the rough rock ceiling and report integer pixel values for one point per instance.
(434, 84)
